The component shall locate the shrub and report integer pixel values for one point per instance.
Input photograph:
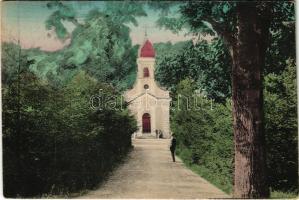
(205, 137)
(53, 142)
(281, 129)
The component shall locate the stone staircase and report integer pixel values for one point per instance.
(149, 136)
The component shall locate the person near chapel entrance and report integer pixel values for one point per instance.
(172, 147)
(157, 134)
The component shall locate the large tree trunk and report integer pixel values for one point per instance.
(247, 94)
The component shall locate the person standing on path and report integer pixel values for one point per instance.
(172, 147)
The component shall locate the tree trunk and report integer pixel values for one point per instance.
(247, 94)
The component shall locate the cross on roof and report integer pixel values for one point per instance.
(145, 30)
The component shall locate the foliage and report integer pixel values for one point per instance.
(281, 48)
(118, 12)
(283, 195)
(207, 63)
(125, 12)
(53, 142)
(219, 19)
(281, 128)
(204, 135)
(13, 62)
(101, 46)
(56, 19)
(171, 68)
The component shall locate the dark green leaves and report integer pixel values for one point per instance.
(54, 143)
(207, 63)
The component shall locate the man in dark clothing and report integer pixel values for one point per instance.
(160, 134)
(172, 147)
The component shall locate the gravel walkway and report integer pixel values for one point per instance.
(150, 173)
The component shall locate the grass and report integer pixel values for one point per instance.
(220, 182)
(215, 179)
(210, 177)
(283, 195)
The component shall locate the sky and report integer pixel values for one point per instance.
(26, 21)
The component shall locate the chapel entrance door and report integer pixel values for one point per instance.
(146, 123)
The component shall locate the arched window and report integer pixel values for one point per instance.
(145, 72)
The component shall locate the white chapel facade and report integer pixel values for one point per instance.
(147, 101)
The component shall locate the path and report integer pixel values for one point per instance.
(150, 173)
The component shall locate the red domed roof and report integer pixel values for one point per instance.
(147, 50)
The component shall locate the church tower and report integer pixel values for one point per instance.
(147, 101)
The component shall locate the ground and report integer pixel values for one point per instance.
(149, 172)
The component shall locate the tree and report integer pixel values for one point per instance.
(54, 142)
(205, 62)
(100, 45)
(248, 54)
(175, 66)
(26, 105)
(13, 56)
(245, 28)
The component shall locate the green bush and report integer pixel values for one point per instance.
(53, 142)
(281, 129)
(205, 136)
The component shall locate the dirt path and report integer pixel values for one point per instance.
(150, 173)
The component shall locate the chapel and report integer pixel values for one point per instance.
(147, 101)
